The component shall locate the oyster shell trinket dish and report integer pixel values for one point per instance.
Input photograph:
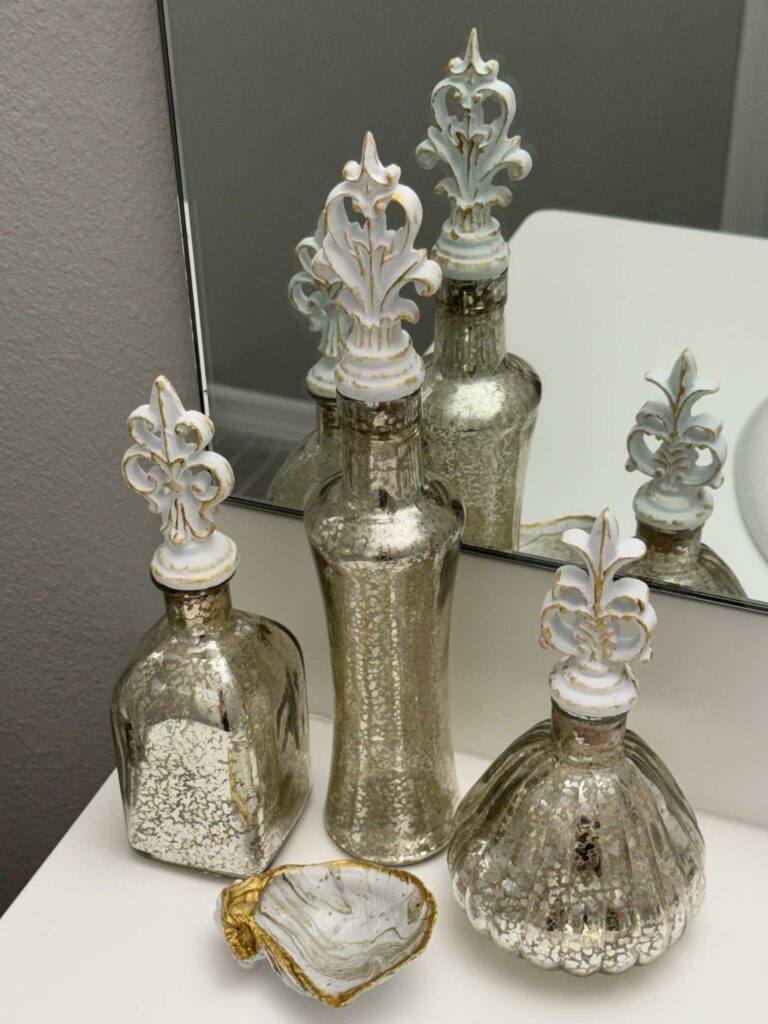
(329, 930)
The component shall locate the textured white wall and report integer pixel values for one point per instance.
(93, 303)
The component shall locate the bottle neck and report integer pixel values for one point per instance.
(198, 612)
(679, 549)
(381, 452)
(327, 416)
(587, 741)
(469, 326)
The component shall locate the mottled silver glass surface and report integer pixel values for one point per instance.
(211, 736)
(317, 457)
(681, 558)
(386, 545)
(480, 406)
(576, 849)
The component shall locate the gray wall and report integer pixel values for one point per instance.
(626, 105)
(93, 304)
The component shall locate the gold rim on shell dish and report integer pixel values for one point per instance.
(249, 941)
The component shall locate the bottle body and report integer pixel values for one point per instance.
(480, 407)
(680, 557)
(386, 546)
(316, 458)
(211, 736)
(576, 849)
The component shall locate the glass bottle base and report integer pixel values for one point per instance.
(421, 852)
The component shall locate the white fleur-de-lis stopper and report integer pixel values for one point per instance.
(599, 623)
(688, 459)
(373, 263)
(316, 299)
(183, 483)
(475, 150)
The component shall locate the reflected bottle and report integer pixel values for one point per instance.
(480, 402)
(683, 454)
(210, 719)
(576, 849)
(386, 544)
(319, 455)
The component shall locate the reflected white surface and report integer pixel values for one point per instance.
(594, 303)
(160, 922)
(751, 475)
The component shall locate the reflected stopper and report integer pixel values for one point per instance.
(315, 299)
(474, 149)
(688, 460)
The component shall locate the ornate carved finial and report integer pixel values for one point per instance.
(600, 623)
(471, 246)
(182, 482)
(315, 299)
(373, 263)
(678, 496)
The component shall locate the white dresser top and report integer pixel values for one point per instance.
(103, 934)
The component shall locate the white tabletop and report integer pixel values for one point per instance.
(595, 302)
(103, 934)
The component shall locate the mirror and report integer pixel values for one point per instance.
(636, 246)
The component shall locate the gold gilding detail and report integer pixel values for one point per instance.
(247, 940)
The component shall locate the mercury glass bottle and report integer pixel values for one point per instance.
(683, 453)
(480, 402)
(385, 541)
(576, 849)
(210, 718)
(319, 455)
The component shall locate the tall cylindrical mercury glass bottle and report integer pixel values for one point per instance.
(683, 453)
(319, 455)
(210, 718)
(480, 402)
(386, 543)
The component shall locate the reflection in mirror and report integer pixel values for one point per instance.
(318, 456)
(624, 163)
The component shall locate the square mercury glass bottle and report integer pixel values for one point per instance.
(683, 453)
(576, 849)
(319, 455)
(385, 539)
(480, 402)
(210, 718)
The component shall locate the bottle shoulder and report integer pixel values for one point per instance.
(431, 520)
(705, 572)
(251, 648)
(309, 464)
(529, 775)
(504, 397)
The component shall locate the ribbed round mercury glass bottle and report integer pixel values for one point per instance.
(577, 849)
(386, 544)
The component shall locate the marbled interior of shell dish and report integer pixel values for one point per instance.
(332, 930)
(586, 867)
